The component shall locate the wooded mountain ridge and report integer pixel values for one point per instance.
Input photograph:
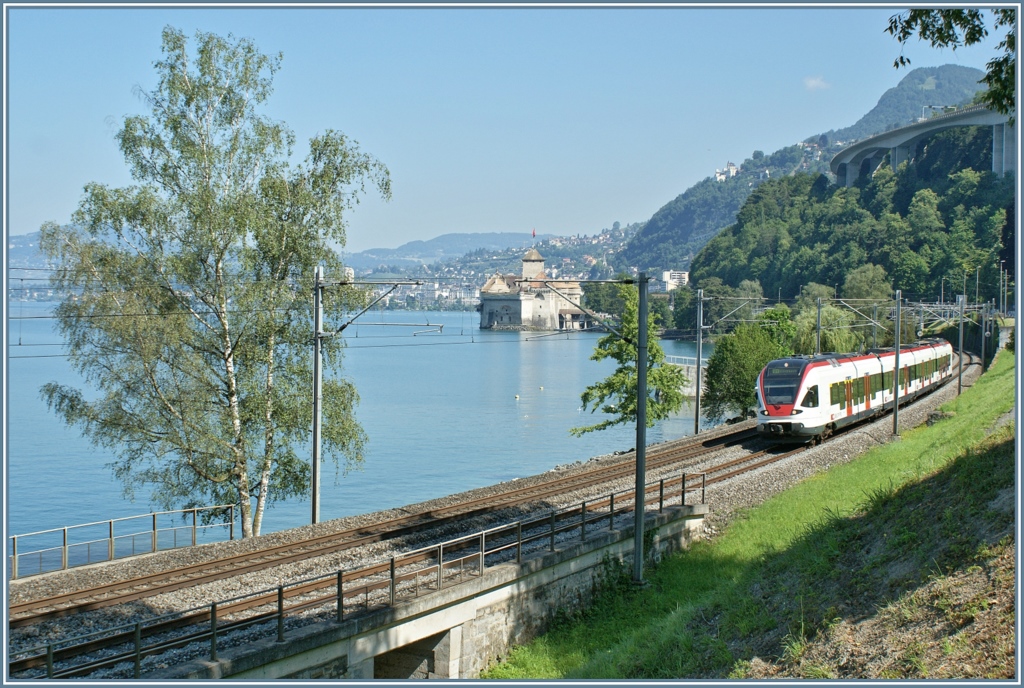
(927, 228)
(677, 231)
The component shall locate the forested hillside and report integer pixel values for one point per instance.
(677, 231)
(681, 227)
(934, 221)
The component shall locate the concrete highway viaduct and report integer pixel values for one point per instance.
(863, 157)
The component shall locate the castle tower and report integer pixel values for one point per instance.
(533, 264)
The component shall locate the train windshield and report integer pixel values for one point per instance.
(781, 378)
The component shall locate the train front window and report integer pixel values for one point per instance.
(781, 379)
(811, 398)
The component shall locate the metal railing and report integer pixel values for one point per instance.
(68, 552)
(685, 361)
(370, 588)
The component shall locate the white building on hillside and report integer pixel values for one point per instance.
(675, 278)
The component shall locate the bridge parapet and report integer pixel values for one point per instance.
(453, 632)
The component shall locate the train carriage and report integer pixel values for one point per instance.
(807, 398)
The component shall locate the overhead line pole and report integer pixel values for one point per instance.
(640, 497)
(896, 369)
(700, 346)
(960, 368)
(640, 452)
(318, 374)
(318, 388)
(817, 335)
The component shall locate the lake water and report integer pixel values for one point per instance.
(440, 411)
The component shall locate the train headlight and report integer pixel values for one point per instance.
(795, 411)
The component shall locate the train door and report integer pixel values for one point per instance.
(867, 392)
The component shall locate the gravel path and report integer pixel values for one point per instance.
(724, 499)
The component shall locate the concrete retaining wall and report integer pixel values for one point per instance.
(456, 632)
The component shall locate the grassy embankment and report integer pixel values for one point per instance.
(897, 564)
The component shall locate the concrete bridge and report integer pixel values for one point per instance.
(863, 157)
(455, 631)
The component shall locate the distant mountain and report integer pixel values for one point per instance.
(441, 248)
(902, 104)
(680, 228)
(23, 251)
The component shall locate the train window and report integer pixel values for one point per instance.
(780, 381)
(858, 390)
(811, 398)
(833, 393)
(876, 383)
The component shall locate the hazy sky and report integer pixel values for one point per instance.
(563, 120)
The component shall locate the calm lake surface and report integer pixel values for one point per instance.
(440, 411)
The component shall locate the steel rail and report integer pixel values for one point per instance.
(577, 520)
(34, 611)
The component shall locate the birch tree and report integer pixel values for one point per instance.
(187, 300)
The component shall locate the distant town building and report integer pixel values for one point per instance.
(513, 302)
(675, 278)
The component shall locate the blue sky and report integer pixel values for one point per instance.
(563, 120)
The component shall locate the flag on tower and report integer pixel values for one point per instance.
(534, 232)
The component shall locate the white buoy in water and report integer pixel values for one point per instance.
(542, 389)
(517, 397)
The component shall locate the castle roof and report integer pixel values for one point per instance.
(533, 254)
(501, 284)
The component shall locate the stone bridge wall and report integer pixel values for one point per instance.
(458, 631)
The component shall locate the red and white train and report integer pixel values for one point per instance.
(807, 398)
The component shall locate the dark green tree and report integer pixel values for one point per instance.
(777, 321)
(604, 297)
(616, 395)
(187, 296)
(659, 307)
(683, 312)
(733, 369)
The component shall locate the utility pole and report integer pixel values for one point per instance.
(977, 277)
(896, 370)
(984, 333)
(318, 373)
(1006, 291)
(1002, 289)
(700, 342)
(639, 499)
(318, 388)
(817, 334)
(960, 368)
(874, 326)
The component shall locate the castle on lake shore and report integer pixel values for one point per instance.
(513, 302)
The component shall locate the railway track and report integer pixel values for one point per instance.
(119, 592)
(375, 585)
(371, 582)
